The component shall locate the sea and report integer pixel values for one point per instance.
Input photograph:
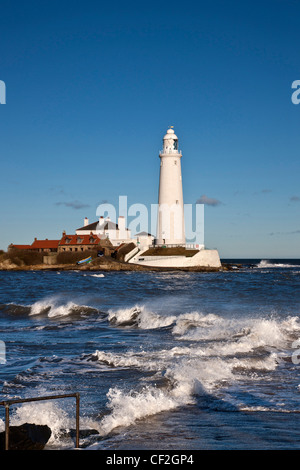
(176, 361)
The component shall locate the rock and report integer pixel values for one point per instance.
(26, 437)
(7, 265)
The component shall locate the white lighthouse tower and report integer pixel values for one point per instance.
(170, 222)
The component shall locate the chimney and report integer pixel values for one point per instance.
(86, 221)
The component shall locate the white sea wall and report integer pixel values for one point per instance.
(204, 258)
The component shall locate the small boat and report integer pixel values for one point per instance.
(86, 260)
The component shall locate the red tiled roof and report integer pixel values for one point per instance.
(80, 240)
(20, 247)
(44, 244)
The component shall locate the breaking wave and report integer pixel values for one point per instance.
(219, 353)
(139, 316)
(52, 307)
(197, 326)
(211, 354)
(268, 264)
(126, 408)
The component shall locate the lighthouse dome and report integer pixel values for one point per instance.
(170, 135)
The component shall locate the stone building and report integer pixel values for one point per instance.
(45, 246)
(42, 246)
(104, 227)
(80, 243)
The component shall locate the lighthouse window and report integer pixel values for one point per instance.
(175, 162)
(175, 144)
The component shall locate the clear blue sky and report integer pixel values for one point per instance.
(92, 87)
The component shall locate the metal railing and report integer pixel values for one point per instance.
(170, 151)
(8, 403)
(190, 246)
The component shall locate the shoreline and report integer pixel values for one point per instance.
(112, 267)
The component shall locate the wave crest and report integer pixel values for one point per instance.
(268, 264)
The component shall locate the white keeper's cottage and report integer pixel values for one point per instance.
(116, 233)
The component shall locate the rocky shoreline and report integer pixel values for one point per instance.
(106, 265)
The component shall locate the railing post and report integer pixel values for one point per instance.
(6, 426)
(77, 419)
(26, 400)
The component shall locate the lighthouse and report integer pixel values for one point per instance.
(170, 220)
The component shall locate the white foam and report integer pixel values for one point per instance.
(53, 308)
(141, 317)
(268, 363)
(51, 414)
(189, 321)
(268, 264)
(157, 360)
(56, 307)
(220, 353)
(189, 377)
(129, 407)
(125, 360)
(46, 413)
(240, 335)
(259, 334)
(94, 275)
(215, 357)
